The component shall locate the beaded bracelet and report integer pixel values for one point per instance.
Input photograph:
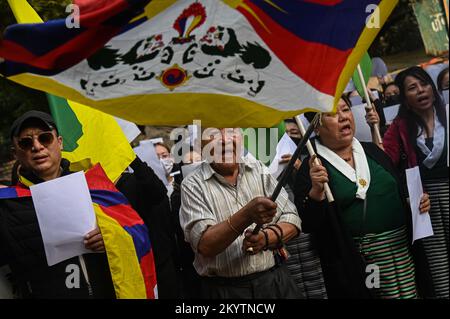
(276, 233)
(280, 242)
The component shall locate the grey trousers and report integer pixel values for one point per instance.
(270, 284)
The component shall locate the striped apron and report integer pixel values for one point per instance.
(437, 246)
(389, 253)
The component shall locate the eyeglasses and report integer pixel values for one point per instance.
(44, 138)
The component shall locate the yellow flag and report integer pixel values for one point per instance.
(89, 136)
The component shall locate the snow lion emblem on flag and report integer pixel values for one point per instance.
(174, 61)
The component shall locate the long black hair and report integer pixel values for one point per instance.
(310, 115)
(440, 78)
(415, 123)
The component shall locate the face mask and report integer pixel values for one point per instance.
(168, 164)
(393, 100)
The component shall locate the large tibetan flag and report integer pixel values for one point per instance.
(89, 136)
(229, 63)
(126, 239)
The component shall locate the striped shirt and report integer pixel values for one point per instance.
(208, 199)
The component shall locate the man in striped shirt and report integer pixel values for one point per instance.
(220, 204)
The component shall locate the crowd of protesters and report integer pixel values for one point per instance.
(201, 225)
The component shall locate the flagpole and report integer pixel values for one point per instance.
(311, 152)
(290, 166)
(369, 106)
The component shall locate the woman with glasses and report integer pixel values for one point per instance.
(363, 237)
(418, 137)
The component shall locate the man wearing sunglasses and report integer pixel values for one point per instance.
(37, 147)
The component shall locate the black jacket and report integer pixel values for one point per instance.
(343, 266)
(21, 246)
(190, 279)
(148, 196)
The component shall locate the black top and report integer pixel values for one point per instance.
(21, 246)
(148, 196)
(440, 169)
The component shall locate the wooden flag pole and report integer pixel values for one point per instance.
(369, 104)
(311, 152)
(290, 166)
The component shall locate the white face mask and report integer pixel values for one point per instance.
(168, 164)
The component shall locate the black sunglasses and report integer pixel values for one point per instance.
(44, 138)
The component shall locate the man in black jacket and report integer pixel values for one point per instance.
(147, 195)
(37, 146)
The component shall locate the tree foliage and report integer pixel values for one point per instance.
(47, 9)
(400, 33)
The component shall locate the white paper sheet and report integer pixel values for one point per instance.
(155, 140)
(362, 129)
(146, 152)
(421, 222)
(390, 112)
(285, 146)
(130, 129)
(356, 100)
(65, 215)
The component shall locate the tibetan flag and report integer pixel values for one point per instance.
(89, 136)
(228, 63)
(57, 44)
(126, 238)
(14, 192)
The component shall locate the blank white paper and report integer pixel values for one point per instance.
(421, 222)
(362, 129)
(65, 215)
(285, 146)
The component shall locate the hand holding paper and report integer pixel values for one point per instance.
(94, 241)
(425, 204)
(65, 215)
